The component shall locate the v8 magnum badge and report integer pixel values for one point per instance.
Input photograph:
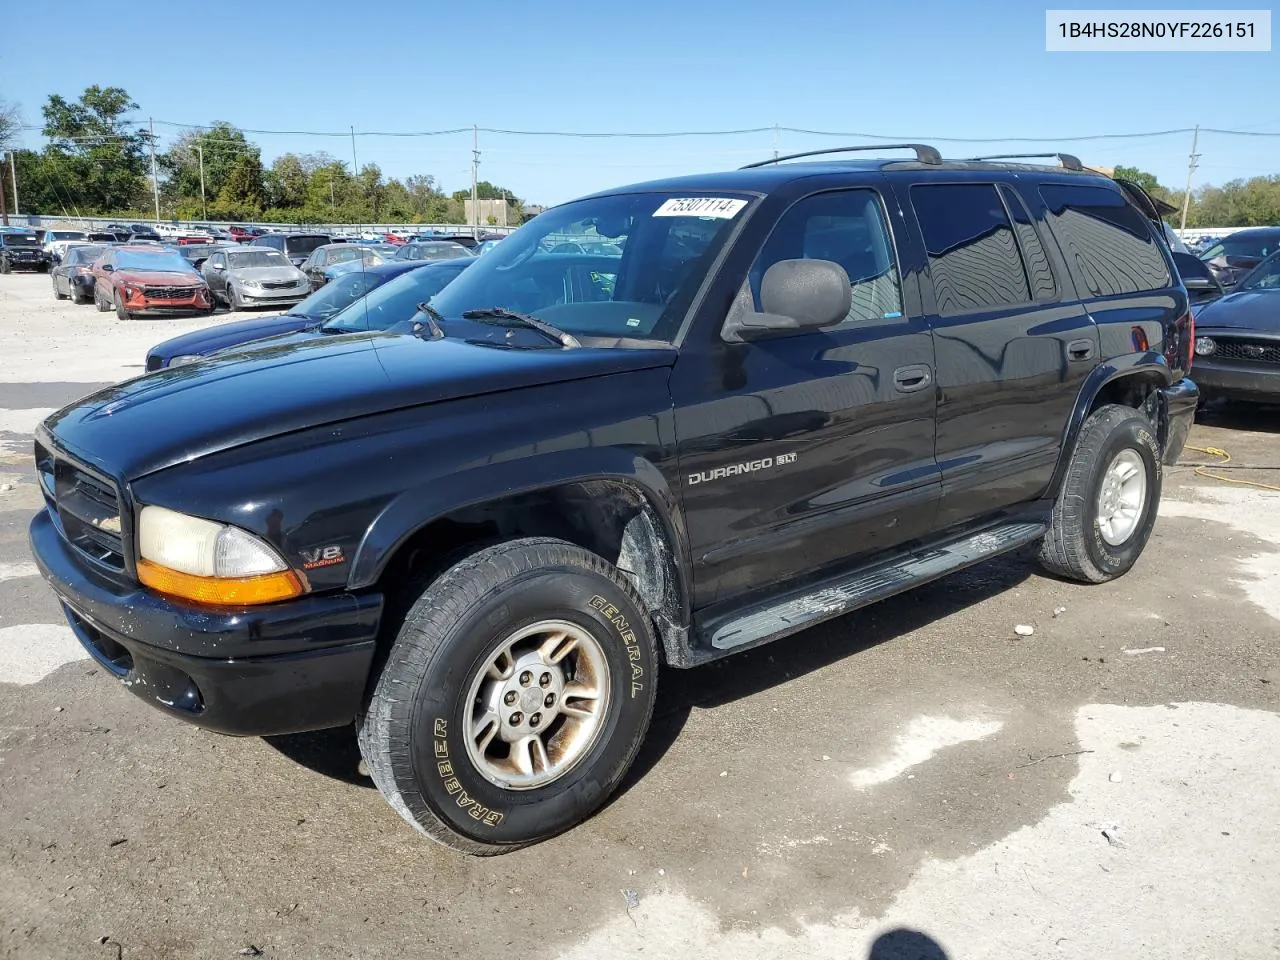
(329, 556)
(738, 469)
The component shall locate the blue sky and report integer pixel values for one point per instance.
(902, 68)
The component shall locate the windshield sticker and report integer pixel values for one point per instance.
(716, 208)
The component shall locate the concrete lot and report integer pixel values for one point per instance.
(913, 781)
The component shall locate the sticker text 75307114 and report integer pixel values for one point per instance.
(719, 208)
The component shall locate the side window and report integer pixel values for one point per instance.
(1039, 271)
(847, 227)
(1108, 245)
(973, 255)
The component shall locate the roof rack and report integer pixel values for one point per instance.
(924, 153)
(1066, 159)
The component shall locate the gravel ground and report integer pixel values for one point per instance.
(913, 781)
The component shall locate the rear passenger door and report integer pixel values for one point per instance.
(1012, 344)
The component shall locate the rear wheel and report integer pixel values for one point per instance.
(514, 697)
(1108, 502)
(4, 265)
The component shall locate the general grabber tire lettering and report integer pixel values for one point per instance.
(548, 640)
(1108, 502)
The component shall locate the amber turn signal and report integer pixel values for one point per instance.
(220, 591)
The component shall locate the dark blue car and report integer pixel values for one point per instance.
(336, 307)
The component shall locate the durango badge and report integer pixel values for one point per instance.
(736, 469)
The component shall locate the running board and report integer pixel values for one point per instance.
(800, 611)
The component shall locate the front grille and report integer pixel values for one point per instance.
(1248, 351)
(87, 507)
(169, 293)
(278, 284)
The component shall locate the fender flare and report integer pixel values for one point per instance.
(414, 509)
(1116, 368)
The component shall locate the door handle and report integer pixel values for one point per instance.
(1080, 350)
(913, 377)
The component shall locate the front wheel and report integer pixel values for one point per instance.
(513, 698)
(100, 301)
(121, 311)
(1108, 502)
(57, 294)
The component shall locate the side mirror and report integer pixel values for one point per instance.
(108, 268)
(217, 266)
(796, 295)
(1199, 280)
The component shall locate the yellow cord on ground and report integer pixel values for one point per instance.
(1224, 457)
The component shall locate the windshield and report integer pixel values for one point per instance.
(1265, 276)
(344, 253)
(20, 239)
(300, 246)
(255, 258)
(1255, 246)
(334, 297)
(395, 303)
(196, 251)
(84, 254)
(147, 262)
(666, 244)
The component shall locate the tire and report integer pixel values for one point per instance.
(121, 312)
(233, 302)
(57, 294)
(1084, 542)
(412, 729)
(99, 301)
(4, 265)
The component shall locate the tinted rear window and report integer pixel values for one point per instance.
(301, 246)
(1107, 243)
(973, 254)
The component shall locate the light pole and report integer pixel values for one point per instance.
(155, 180)
(204, 210)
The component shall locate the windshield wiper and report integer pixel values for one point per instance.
(498, 314)
(433, 322)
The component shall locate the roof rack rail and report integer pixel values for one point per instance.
(924, 153)
(1068, 160)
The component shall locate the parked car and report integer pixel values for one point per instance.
(327, 303)
(254, 276)
(102, 236)
(1238, 339)
(22, 251)
(140, 281)
(329, 254)
(433, 250)
(242, 234)
(140, 228)
(1237, 253)
(197, 253)
(73, 276)
(295, 246)
(484, 247)
(480, 541)
(55, 242)
(144, 236)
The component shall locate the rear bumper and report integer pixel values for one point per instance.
(1175, 415)
(279, 668)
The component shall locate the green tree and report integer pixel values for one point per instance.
(286, 182)
(95, 146)
(222, 145)
(1147, 181)
(244, 193)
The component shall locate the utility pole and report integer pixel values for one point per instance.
(204, 209)
(155, 180)
(13, 178)
(4, 206)
(475, 168)
(355, 167)
(1191, 168)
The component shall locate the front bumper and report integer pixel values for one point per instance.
(1241, 381)
(296, 295)
(256, 671)
(29, 263)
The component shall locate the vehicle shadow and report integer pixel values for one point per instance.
(751, 672)
(333, 753)
(904, 944)
(1252, 417)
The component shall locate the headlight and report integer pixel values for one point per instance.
(209, 562)
(1205, 346)
(251, 283)
(182, 359)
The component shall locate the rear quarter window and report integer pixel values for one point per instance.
(1107, 243)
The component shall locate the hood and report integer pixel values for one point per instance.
(182, 413)
(158, 278)
(229, 335)
(265, 273)
(1244, 310)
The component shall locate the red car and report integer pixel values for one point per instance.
(243, 234)
(142, 281)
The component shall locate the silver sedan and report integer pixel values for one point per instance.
(244, 276)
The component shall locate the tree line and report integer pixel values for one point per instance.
(97, 162)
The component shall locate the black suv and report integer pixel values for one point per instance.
(297, 247)
(22, 251)
(782, 393)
